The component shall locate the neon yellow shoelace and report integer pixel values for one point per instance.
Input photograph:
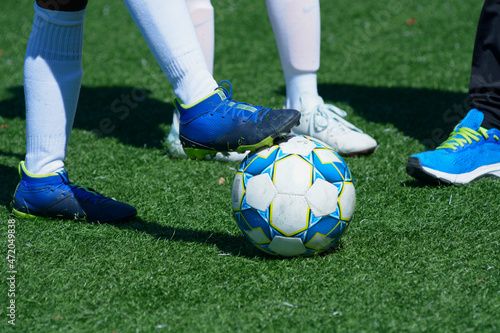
(463, 136)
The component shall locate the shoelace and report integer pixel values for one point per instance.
(238, 109)
(82, 192)
(326, 114)
(463, 136)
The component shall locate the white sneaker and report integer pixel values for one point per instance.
(325, 122)
(175, 147)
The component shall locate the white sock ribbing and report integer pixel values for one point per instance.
(168, 29)
(296, 26)
(52, 80)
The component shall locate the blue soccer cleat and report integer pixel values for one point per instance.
(176, 150)
(220, 124)
(471, 152)
(53, 196)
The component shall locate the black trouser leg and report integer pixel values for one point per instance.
(484, 89)
(63, 5)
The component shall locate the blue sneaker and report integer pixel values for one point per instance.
(53, 196)
(471, 152)
(219, 124)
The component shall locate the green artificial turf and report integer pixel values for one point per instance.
(416, 258)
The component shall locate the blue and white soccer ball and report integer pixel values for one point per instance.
(293, 199)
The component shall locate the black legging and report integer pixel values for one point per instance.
(484, 89)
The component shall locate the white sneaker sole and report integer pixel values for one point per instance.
(415, 169)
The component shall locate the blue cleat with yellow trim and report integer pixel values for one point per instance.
(471, 152)
(175, 149)
(220, 124)
(54, 196)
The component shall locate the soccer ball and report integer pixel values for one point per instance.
(295, 198)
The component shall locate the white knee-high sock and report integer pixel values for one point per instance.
(52, 80)
(167, 28)
(297, 29)
(202, 14)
